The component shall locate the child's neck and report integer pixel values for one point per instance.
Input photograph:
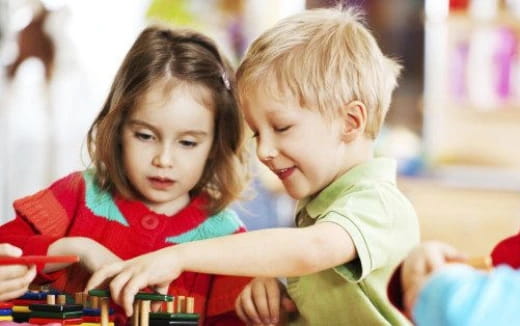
(358, 151)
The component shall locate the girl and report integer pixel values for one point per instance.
(168, 156)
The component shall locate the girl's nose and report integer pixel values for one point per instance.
(163, 159)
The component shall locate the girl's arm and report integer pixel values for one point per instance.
(269, 253)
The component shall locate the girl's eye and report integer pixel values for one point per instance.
(283, 129)
(188, 143)
(143, 136)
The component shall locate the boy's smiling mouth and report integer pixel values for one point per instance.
(284, 173)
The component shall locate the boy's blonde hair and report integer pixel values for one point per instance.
(326, 58)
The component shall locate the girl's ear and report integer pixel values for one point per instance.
(354, 116)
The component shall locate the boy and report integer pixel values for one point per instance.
(314, 89)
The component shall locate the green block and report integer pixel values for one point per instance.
(57, 315)
(99, 293)
(170, 316)
(153, 296)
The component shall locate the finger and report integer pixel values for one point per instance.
(13, 288)
(100, 276)
(118, 284)
(7, 249)
(239, 311)
(132, 287)
(259, 294)
(273, 300)
(248, 306)
(9, 272)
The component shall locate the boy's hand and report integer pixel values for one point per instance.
(14, 279)
(422, 261)
(128, 277)
(261, 302)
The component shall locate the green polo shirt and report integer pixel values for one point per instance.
(383, 225)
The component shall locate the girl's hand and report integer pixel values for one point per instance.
(261, 302)
(422, 261)
(91, 253)
(128, 277)
(14, 279)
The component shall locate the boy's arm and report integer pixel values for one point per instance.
(268, 253)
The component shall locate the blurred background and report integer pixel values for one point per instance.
(453, 126)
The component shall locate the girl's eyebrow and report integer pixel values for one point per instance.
(141, 123)
(195, 133)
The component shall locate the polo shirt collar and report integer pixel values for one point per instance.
(375, 170)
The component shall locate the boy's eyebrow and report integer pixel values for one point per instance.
(199, 133)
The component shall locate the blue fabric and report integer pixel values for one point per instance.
(459, 295)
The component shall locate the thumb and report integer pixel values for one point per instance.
(288, 305)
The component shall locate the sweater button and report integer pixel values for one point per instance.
(150, 222)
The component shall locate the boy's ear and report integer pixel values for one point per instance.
(354, 116)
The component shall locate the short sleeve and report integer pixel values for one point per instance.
(382, 225)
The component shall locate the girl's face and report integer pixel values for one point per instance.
(166, 142)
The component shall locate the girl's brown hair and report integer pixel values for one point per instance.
(181, 56)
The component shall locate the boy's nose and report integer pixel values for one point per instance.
(266, 151)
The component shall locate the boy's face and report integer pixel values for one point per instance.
(166, 142)
(300, 146)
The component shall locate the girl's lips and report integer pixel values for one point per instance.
(161, 183)
(284, 173)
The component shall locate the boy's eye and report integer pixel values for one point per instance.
(188, 143)
(143, 136)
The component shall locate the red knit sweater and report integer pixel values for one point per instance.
(74, 206)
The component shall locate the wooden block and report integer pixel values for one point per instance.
(56, 307)
(6, 318)
(57, 315)
(483, 263)
(170, 307)
(79, 298)
(144, 312)
(99, 293)
(190, 305)
(153, 297)
(24, 309)
(51, 299)
(136, 316)
(177, 316)
(62, 299)
(94, 302)
(158, 322)
(31, 295)
(6, 312)
(104, 311)
(181, 304)
(45, 321)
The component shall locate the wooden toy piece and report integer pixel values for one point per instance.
(55, 307)
(144, 312)
(181, 304)
(137, 308)
(45, 321)
(99, 293)
(94, 302)
(62, 299)
(80, 298)
(51, 299)
(31, 260)
(57, 315)
(190, 305)
(153, 296)
(170, 307)
(104, 306)
(484, 263)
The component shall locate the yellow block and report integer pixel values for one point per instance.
(6, 318)
(21, 309)
(97, 324)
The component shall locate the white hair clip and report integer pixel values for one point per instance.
(225, 80)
